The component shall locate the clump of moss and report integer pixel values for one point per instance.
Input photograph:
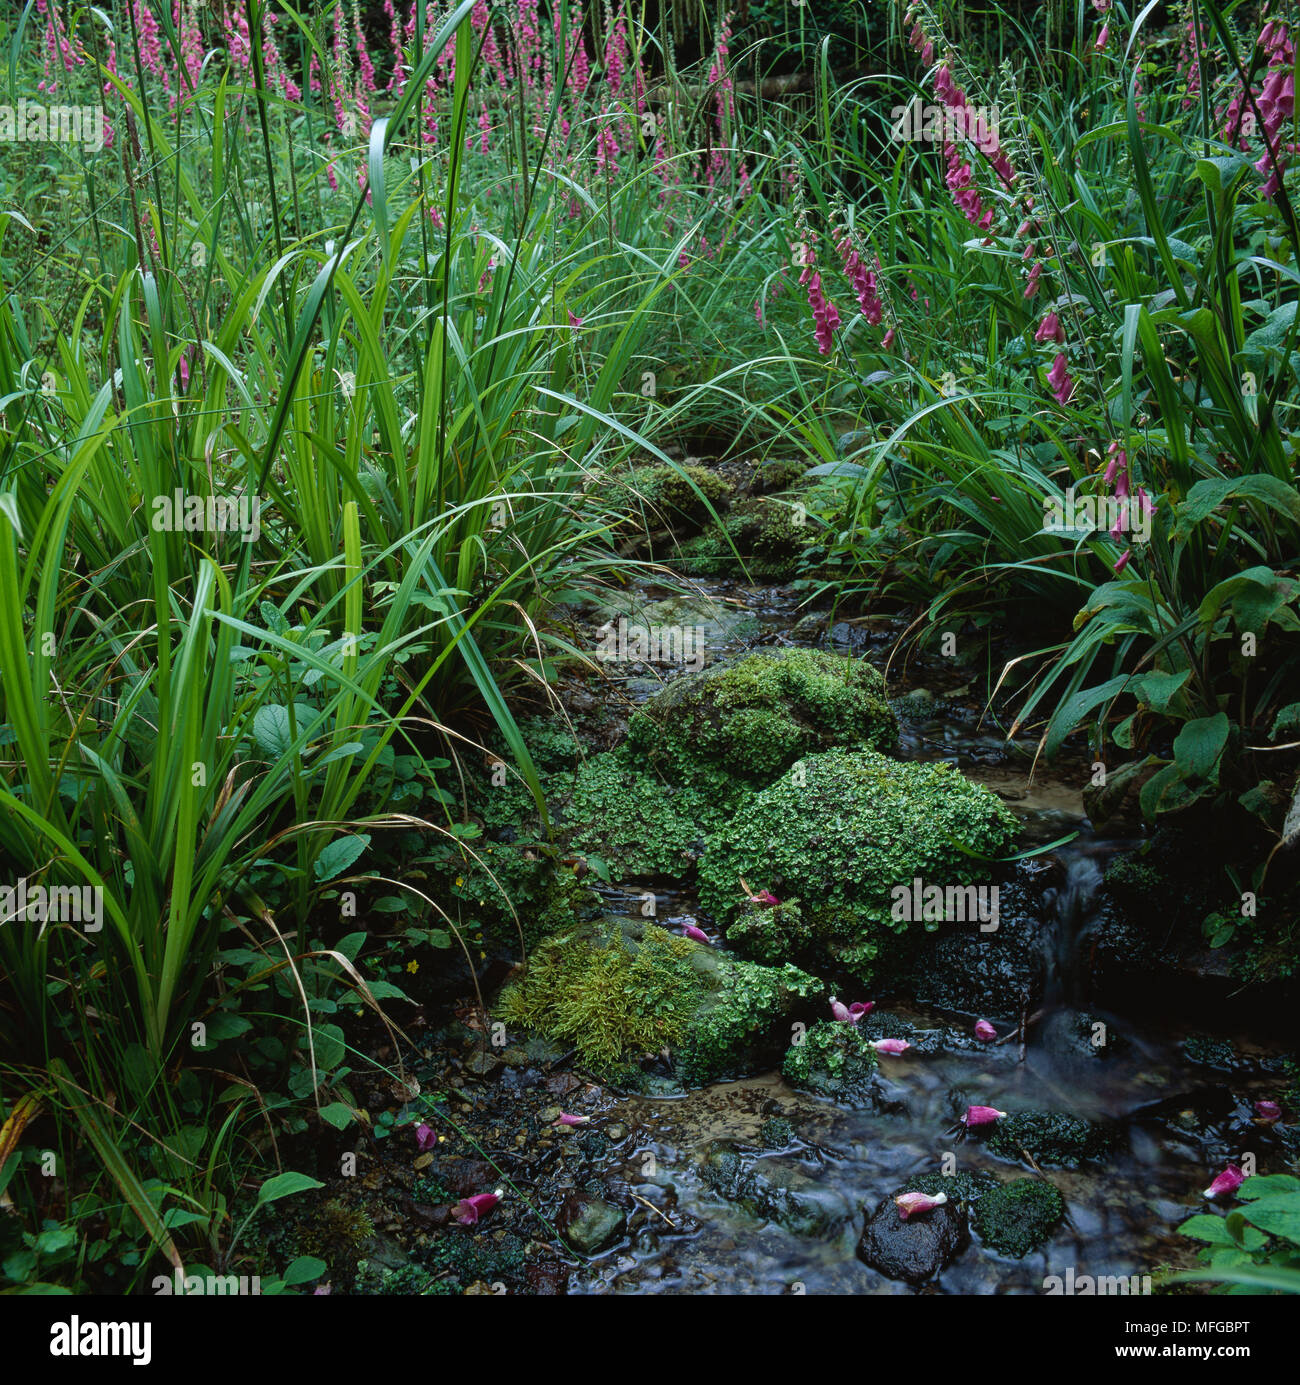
(834, 1060)
(769, 933)
(500, 1257)
(779, 476)
(409, 1281)
(839, 832)
(620, 990)
(673, 497)
(336, 1234)
(1208, 1051)
(755, 717)
(768, 535)
(963, 1187)
(1050, 1137)
(615, 995)
(1019, 1216)
(776, 1133)
(629, 818)
(738, 1016)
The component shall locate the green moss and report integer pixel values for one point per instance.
(670, 496)
(779, 476)
(1208, 1051)
(335, 1233)
(769, 933)
(738, 1016)
(1050, 1137)
(832, 1059)
(620, 990)
(839, 832)
(777, 1133)
(753, 718)
(769, 535)
(629, 818)
(964, 1188)
(1019, 1216)
(615, 992)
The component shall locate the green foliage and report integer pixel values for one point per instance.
(1019, 1216)
(1255, 1248)
(1050, 1137)
(831, 1058)
(753, 718)
(838, 833)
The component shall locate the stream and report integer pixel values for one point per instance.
(1177, 1121)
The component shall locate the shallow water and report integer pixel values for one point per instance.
(1121, 1214)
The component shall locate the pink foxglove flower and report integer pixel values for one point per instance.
(564, 1118)
(698, 935)
(893, 1047)
(1227, 1182)
(984, 1030)
(1124, 559)
(1268, 1111)
(470, 1210)
(424, 1137)
(1050, 330)
(766, 898)
(840, 1012)
(981, 1115)
(860, 1008)
(909, 1204)
(1059, 379)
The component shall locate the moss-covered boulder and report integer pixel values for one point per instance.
(752, 718)
(620, 990)
(639, 825)
(841, 832)
(1054, 1138)
(768, 535)
(677, 498)
(1018, 1217)
(833, 1060)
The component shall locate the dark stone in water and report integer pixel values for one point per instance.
(1019, 1216)
(777, 1133)
(914, 1250)
(958, 967)
(1076, 1034)
(590, 1224)
(772, 1191)
(1050, 1137)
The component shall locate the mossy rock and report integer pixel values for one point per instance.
(673, 497)
(963, 1188)
(1050, 1137)
(753, 718)
(781, 475)
(840, 831)
(632, 820)
(773, 1191)
(620, 990)
(1018, 1217)
(833, 1060)
(768, 536)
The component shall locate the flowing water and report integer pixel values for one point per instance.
(1177, 1122)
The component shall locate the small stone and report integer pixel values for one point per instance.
(590, 1224)
(916, 1249)
(616, 1131)
(484, 1064)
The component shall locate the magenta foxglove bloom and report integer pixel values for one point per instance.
(1124, 559)
(766, 897)
(1059, 379)
(470, 1210)
(424, 1137)
(689, 930)
(860, 1008)
(1227, 1182)
(840, 1012)
(574, 322)
(891, 1046)
(1051, 330)
(984, 1030)
(981, 1115)
(1268, 1111)
(564, 1118)
(909, 1204)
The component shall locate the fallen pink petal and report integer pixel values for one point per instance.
(912, 1204)
(984, 1030)
(470, 1210)
(564, 1118)
(981, 1115)
(689, 930)
(1227, 1182)
(890, 1046)
(1268, 1111)
(425, 1137)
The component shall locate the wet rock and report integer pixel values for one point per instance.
(773, 1191)
(1081, 1036)
(916, 1249)
(777, 1133)
(962, 966)
(616, 1131)
(1053, 1138)
(590, 1224)
(1018, 1217)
